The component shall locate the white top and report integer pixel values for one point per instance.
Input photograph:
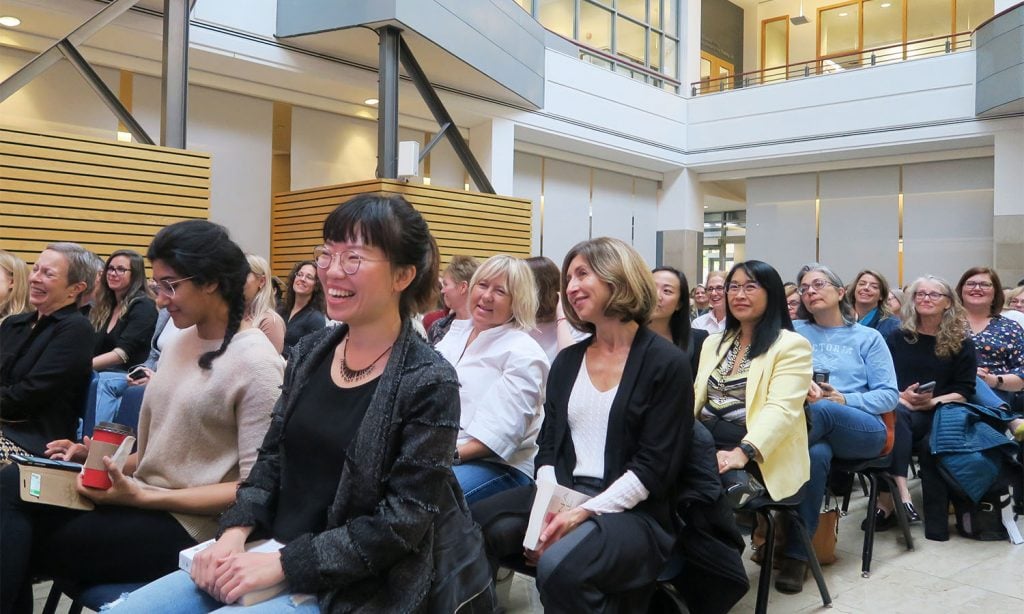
(1014, 315)
(709, 323)
(546, 335)
(502, 376)
(588, 413)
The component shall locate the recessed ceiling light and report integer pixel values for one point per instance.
(371, 101)
(8, 21)
(843, 14)
(886, 5)
(705, 206)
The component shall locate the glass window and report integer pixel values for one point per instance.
(970, 13)
(557, 16)
(637, 9)
(631, 40)
(775, 38)
(928, 18)
(596, 27)
(656, 51)
(670, 56)
(671, 17)
(527, 5)
(839, 29)
(883, 26)
(655, 9)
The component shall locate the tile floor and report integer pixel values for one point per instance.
(959, 576)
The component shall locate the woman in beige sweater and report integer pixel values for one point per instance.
(203, 417)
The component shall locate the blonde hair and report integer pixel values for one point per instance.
(953, 325)
(519, 283)
(17, 299)
(264, 299)
(633, 293)
(1012, 294)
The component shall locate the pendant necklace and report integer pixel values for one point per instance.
(349, 375)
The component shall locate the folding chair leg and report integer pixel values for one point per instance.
(764, 581)
(52, 599)
(901, 515)
(869, 533)
(863, 484)
(812, 559)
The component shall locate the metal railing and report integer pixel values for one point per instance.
(890, 54)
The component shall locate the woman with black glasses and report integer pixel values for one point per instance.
(998, 341)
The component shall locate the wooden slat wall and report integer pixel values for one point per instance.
(105, 195)
(465, 223)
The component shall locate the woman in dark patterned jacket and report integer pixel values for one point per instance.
(354, 476)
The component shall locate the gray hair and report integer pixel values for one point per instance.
(81, 263)
(845, 308)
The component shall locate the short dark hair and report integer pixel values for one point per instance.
(390, 223)
(776, 313)
(205, 252)
(546, 275)
(998, 299)
(679, 323)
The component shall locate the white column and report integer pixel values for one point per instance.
(493, 144)
(689, 44)
(681, 221)
(1008, 206)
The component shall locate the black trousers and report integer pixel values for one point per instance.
(911, 434)
(107, 545)
(608, 564)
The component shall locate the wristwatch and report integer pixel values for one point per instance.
(748, 449)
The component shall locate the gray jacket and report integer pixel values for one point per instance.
(399, 536)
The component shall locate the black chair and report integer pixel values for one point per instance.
(873, 470)
(92, 597)
(765, 507)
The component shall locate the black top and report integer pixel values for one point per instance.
(649, 425)
(44, 376)
(917, 363)
(132, 333)
(308, 320)
(315, 438)
(697, 338)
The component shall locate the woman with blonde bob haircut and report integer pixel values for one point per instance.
(13, 285)
(260, 303)
(617, 426)
(502, 373)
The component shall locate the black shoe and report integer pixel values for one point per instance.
(912, 514)
(883, 521)
(791, 576)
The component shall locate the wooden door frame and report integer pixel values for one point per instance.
(764, 23)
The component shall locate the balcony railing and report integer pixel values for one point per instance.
(890, 54)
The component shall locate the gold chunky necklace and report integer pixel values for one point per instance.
(348, 375)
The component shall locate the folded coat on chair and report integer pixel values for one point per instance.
(969, 447)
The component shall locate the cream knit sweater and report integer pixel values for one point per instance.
(200, 427)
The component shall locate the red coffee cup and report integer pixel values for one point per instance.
(106, 438)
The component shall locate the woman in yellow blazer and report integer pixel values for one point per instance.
(753, 380)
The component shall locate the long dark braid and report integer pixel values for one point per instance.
(236, 312)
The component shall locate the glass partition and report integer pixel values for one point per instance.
(838, 29)
(883, 26)
(774, 49)
(556, 15)
(596, 27)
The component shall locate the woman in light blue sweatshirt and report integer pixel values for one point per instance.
(846, 421)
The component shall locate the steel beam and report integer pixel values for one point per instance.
(174, 76)
(51, 56)
(387, 103)
(108, 97)
(434, 141)
(442, 117)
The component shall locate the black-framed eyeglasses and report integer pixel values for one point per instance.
(117, 270)
(165, 286)
(984, 285)
(817, 284)
(747, 288)
(350, 261)
(920, 295)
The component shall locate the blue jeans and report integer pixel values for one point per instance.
(481, 479)
(176, 593)
(840, 431)
(110, 387)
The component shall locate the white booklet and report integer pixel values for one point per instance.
(551, 499)
(263, 545)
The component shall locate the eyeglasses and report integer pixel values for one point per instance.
(712, 289)
(920, 295)
(165, 286)
(1016, 302)
(817, 284)
(117, 270)
(306, 276)
(350, 261)
(747, 288)
(792, 303)
(984, 285)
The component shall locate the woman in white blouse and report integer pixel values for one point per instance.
(502, 373)
(714, 320)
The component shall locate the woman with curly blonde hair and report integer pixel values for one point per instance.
(935, 363)
(13, 285)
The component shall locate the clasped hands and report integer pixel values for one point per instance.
(556, 527)
(227, 572)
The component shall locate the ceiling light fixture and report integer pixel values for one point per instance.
(886, 5)
(371, 101)
(9, 21)
(843, 14)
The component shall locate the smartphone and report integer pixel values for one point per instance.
(926, 387)
(49, 463)
(137, 373)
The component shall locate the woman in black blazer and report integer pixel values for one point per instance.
(617, 424)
